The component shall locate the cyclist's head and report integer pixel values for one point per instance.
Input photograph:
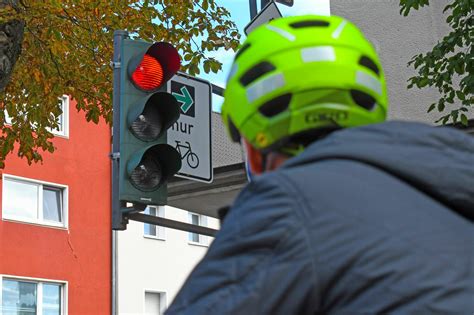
(296, 79)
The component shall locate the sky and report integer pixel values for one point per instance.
(239, 10)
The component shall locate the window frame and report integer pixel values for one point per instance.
(64, 118)
(162, 296)
(202, 221)
(160, 230)
(39, 290)
(38, 221)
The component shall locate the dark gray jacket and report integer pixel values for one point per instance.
(371, 220)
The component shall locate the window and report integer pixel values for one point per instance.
(155, 303)
(63, 123)
(151, 230)
(63, 119)
(197, 219)
(24, 296)
(8, 119)
(33, 201)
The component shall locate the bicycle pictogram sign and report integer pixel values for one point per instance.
(191, 158)
(191, 133)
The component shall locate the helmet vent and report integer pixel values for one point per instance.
(241, 50)
(234, 132)
(363, 99)
(275, 106)
(256, 72)
(368, 63)
(310, 23)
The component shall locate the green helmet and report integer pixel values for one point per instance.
(300, 76)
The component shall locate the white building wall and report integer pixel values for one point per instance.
(154, 265)
(397, 39)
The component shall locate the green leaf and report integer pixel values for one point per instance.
(459, 68)
(216, 66)
(464, 120)
(454, 115)
(441, 106)
(207, 66)
(460, 95)
(57, 34)
(433, 106)
(422, 82)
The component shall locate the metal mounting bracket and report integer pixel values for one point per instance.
(115, 64)
(114, 155)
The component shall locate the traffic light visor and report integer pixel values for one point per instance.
(149, 70)
(152, 167)
(148, 119)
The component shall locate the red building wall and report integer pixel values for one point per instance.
(81, 254)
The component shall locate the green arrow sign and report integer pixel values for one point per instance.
(184, 98)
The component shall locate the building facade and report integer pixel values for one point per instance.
(153, 262)
(55, 236)
(56, 239)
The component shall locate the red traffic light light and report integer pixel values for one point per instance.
(157, 65)
(148, 75)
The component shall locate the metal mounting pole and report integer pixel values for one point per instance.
(119, 35)
(117, 221)
(177, 225)
(263, 3)
(253, 8)
(217, 90)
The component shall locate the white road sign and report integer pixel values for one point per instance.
(269, 12)
(191, 134)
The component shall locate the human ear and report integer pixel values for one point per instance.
(254, 158)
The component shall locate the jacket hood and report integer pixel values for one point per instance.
(438, 161)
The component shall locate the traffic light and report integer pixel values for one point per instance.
(146, 112)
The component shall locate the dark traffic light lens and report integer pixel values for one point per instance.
(147, 126)
(148, 75)
(147, 175)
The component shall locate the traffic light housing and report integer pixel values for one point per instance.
(146, 112)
